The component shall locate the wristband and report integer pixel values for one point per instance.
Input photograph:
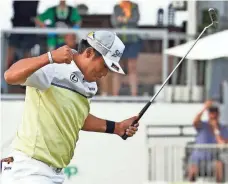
(50, 58)
(110, 127)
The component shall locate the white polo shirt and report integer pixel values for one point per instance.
(56, 106)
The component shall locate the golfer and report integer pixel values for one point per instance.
(60, 85)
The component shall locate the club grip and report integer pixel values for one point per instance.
(125, 136)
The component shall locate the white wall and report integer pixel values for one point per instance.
(104, 158)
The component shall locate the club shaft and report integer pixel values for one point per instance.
(125, 136)
(170, 75)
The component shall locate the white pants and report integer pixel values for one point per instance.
(26, 170)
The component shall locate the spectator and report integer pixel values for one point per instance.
(126, 15)
(223, 154)
(22, 18)
(206, 158)
(61, 16)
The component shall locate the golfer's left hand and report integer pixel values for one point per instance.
(125, 126)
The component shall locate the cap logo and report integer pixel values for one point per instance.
(91, 35)
(117, 53)
(115, 67)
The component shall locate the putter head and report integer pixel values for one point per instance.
(213, 16)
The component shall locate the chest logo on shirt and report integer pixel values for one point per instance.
(73, 78)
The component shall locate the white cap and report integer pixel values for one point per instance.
(109, 46)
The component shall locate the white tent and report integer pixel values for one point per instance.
(207, 48)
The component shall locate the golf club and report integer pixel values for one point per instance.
(213, 16)
(214, 22)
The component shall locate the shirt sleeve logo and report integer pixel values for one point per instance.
(73, 78)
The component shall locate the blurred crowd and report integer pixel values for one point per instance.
(143, 59)
(125, 15)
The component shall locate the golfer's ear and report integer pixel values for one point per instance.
(89, 52)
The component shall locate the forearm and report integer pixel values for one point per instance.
(218, 137)
(220, 140)
(39, 23)
(22, 69)
(95, 124)
(197, 119)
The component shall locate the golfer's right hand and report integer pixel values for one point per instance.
(62, 55)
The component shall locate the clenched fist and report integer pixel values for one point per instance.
(62, 55)
(125, 126)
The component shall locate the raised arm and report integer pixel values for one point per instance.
(22, 69)
(19, 72)
(197, 119)
(95, 124)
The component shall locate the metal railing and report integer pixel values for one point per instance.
(172, 163)
(171, 131)
(170, 150)
(178, 92)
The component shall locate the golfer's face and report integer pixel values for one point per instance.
(96, 70)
